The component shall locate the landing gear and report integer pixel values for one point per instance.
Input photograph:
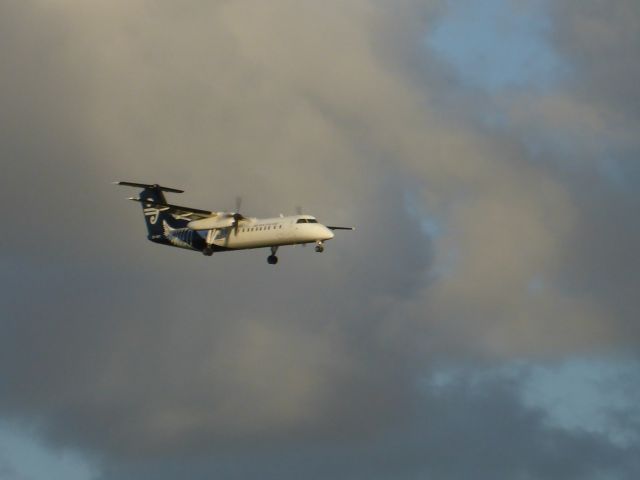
(208, 250)
(272, 259)
(319, 247)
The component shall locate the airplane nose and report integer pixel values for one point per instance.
(320, 232)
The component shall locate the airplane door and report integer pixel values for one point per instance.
(222, 237)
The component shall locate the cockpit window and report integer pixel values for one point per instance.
(312, 220)
(302, 220)
(307, 220)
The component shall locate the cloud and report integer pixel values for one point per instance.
(137, 352)
(472, 424)
(601, 43)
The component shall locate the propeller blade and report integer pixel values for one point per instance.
(237, 216)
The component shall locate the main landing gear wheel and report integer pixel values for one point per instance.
(208, 251)
(272, 259)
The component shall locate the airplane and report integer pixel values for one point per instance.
(208, 232)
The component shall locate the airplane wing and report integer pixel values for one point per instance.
(178, 211)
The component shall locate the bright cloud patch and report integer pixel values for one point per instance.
(497, 44)
(600, 396)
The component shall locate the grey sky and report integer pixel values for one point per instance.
(158, 363)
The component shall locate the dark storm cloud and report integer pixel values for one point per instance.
(137, 352)
(601, 40)
(7, 471)
(585, 131)
(474, 426)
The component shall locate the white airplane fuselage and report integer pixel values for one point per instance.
(257, 233)
(267, 232)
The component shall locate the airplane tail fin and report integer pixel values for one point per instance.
(156, 217)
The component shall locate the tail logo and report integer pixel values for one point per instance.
(153, 214)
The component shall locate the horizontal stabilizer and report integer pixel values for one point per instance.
(148, 185)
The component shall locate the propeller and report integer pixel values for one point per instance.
(237, 216)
